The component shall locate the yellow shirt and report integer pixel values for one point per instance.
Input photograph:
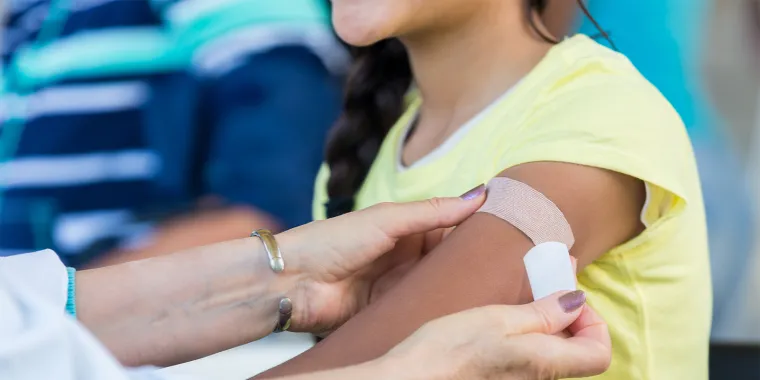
(588, 105)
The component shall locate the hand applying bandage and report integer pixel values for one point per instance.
(479, 263)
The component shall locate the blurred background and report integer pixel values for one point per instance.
(135, 128)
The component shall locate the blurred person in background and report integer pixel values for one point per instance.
(143, 127)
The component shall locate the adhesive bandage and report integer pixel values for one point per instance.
(548, 264)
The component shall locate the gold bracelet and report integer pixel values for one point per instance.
(277, 263)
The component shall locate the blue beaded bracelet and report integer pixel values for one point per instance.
(71, 300)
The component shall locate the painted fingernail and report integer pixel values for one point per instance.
(474, 193)
(572, 301)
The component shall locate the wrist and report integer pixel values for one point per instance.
(423, 363)
(399, 368)
(246, 287)
(294, 282)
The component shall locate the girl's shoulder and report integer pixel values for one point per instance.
(588, 105)
(583, 92)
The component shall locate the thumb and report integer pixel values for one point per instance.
(588, 352)
(401, 219)
(549, 315)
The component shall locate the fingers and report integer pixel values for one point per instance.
(402, 219)
(574, 261)
(551, 357)
(591, 326)
(549, 315)
(518, 340)
(586, 352)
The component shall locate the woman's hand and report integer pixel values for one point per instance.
(509, 342)
(496, 342)
(339, 260)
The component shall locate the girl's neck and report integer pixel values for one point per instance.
(462, 70)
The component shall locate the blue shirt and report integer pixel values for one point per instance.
(128, 110)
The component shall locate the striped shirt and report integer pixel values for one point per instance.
(118, 110)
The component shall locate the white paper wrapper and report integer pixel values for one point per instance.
(549, 269)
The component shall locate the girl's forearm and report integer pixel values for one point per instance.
(172, 309)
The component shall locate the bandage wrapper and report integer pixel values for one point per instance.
(548, 264)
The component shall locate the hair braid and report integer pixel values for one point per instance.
(374, 100)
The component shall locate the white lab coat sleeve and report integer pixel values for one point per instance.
(41, 273)
(38, 340)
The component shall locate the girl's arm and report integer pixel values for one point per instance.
(480, 263)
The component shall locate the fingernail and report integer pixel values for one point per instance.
(572, 301)
(474, 193)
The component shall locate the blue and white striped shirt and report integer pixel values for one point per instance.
(137, 108)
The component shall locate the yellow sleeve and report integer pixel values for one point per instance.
(622, 125)
(320, 194)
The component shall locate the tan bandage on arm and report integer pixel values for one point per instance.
(527, 209)
(548, 264)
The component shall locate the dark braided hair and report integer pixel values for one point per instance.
(374, 100)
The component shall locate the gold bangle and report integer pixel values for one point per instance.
(276, 262)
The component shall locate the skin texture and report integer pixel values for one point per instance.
(180, 307)
(176, 308)
(480, 264)
(560, 17)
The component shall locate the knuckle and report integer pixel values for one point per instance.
(383, 212)
(493, 318)
(381, 217)
(436, 203)
(384, 206)
(543, 319)
(533, 358)
(601, 361)
(436, 208)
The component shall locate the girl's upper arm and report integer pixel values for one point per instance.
(480, 263)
